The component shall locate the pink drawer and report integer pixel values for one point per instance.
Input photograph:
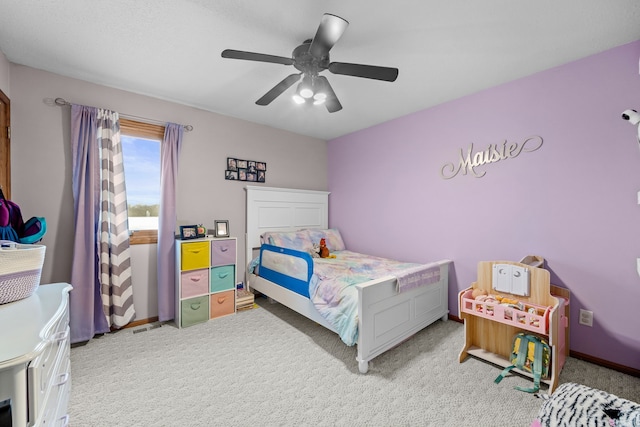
(223, 252)
(195, 282)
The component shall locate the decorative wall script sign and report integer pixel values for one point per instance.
(493, 153)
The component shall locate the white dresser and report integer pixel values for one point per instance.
(35, 370)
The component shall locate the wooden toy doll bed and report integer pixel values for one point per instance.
(385, 317)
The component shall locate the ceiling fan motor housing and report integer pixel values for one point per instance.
(306, 62)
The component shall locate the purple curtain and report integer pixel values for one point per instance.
(169, 154)
(85, 306)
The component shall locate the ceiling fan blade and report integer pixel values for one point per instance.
(366, 71)
(331, 102)
(278, 89)
(251, 56)
(329, 32)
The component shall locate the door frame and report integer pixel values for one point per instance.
(5, 145)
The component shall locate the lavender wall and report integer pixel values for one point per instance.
(573, 201)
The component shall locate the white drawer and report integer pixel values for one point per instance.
(44, 369)
(55, 411)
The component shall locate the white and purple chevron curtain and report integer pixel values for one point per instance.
(101, 271)
(114, 255)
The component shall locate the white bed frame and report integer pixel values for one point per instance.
(385, 317)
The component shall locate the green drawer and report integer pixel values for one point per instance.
(223, 278)
(194, 310)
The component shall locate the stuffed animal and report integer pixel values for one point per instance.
(324, 250)
(477, 292)
(508, 301)
(315, 252)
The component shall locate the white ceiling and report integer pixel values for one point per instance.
(170, 49)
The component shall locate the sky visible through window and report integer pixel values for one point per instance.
(142, 175)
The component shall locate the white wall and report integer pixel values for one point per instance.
(4, 74)
(41, 166)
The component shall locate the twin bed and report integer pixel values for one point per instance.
(387, 301)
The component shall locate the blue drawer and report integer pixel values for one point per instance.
(223, 278)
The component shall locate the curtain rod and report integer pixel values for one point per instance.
(188, 128)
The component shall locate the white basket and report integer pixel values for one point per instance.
(20, 270)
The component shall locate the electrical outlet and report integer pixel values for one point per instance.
(586, 317)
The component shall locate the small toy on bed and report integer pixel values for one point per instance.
(315, 252)
(324, 250)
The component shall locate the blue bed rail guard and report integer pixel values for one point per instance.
(296, 285)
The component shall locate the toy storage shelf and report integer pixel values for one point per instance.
(489, 327)
(205, 279)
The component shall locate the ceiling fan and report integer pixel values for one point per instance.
(311, 58)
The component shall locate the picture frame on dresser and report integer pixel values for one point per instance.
(188, 232)
(221, 228)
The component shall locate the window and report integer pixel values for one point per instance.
(141, 144)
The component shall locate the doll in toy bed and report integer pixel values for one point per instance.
(578, 405)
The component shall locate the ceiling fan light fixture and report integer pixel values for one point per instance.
(305, 88)
(305, 92)
(319, 101)
(320, 96)
(298, 99)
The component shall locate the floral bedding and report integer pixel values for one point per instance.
(333, 292)
(332, 285)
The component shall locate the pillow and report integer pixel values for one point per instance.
(298, 240)
(332, 238)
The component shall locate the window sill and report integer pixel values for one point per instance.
(143, 237)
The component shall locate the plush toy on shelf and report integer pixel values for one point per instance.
(477, 292)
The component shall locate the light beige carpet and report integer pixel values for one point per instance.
(272, 367)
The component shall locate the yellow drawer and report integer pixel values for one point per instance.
(194, 255)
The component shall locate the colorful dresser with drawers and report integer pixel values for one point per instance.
(205, 279)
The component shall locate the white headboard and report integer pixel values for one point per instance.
(283, 209)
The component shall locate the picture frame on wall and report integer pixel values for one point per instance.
(188, 232)
(245, 170)
(221, 228)
(251, 166)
